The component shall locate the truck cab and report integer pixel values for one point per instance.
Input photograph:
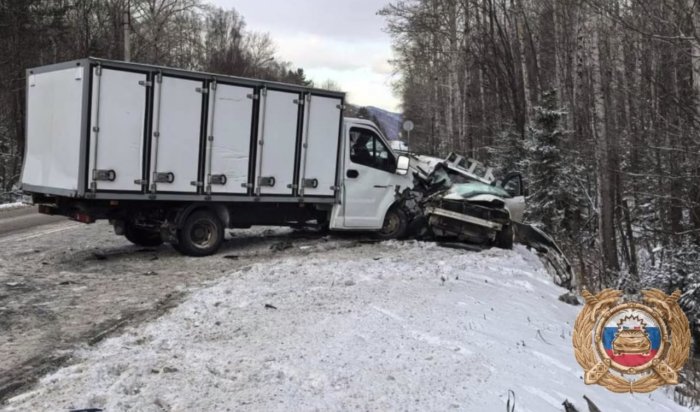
(372, 176)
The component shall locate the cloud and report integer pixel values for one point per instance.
(347, 19)
(313, 51)
(339, 40)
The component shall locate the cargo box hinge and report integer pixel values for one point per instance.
(201, 90)
(145, 83)
(253, 96)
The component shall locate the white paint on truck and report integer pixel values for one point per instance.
(54, 126)
(277, 142)
(322, 120)
(118, 118)
(369, 183)
(228, 136)
(178, 109)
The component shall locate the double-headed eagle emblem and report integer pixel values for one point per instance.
(631, 346)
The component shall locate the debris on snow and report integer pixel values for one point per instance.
(569, 298)
(336, 347)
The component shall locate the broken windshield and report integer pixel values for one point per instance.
(467, 190)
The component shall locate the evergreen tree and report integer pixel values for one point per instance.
(556, 198)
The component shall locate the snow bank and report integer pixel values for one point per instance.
(395, 326)
(16, 205)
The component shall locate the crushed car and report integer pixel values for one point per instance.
(460, 199)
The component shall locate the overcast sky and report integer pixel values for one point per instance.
(340, 40)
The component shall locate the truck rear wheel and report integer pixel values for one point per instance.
(141, 236)
(395, 224)
(201, 235)
(504, 238)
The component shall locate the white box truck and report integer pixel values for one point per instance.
(178, 156)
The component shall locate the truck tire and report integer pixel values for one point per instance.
(504, 238)
(201, 235)
(395, 225)
(142, 237)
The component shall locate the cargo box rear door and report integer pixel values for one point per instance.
(117, 129)
(175, 146)
(277, 142)
(54, 130)
(321, 137)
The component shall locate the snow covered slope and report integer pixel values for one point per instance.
(393, 326)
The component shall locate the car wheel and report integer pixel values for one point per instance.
(504, 238)
(141, 236)
(201, 235)
(395, 224)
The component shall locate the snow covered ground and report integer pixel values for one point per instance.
(15, 205)
(389, 326)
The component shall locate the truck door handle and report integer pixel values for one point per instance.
(352, 173)
(380, 187)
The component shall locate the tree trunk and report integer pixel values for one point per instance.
(606, 222)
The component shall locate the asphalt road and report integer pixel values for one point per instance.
(16, 220)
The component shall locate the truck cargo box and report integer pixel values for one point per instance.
(100, 129)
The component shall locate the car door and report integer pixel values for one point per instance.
(370, 179)
(513, 184)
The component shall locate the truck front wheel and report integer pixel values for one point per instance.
(141, 236)
(201, 235)
(395, 224)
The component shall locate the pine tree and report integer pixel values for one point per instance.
(556, 199)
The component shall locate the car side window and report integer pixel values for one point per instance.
(366, 148)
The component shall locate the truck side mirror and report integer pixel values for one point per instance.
(402, 165)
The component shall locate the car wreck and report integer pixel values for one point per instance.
(459, 199)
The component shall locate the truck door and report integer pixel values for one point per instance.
(277, 142)
(369, 181)
(177, 115)
(118, 113)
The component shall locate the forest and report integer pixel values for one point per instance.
(597, 102)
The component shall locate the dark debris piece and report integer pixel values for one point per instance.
(280, 246)
(460, 245)
(268, 306)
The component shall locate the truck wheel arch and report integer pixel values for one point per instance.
(221, 211)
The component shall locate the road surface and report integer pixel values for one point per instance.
(65, 284)
(14, 220)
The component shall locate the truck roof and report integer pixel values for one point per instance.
(360, 121)
(183, 72)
